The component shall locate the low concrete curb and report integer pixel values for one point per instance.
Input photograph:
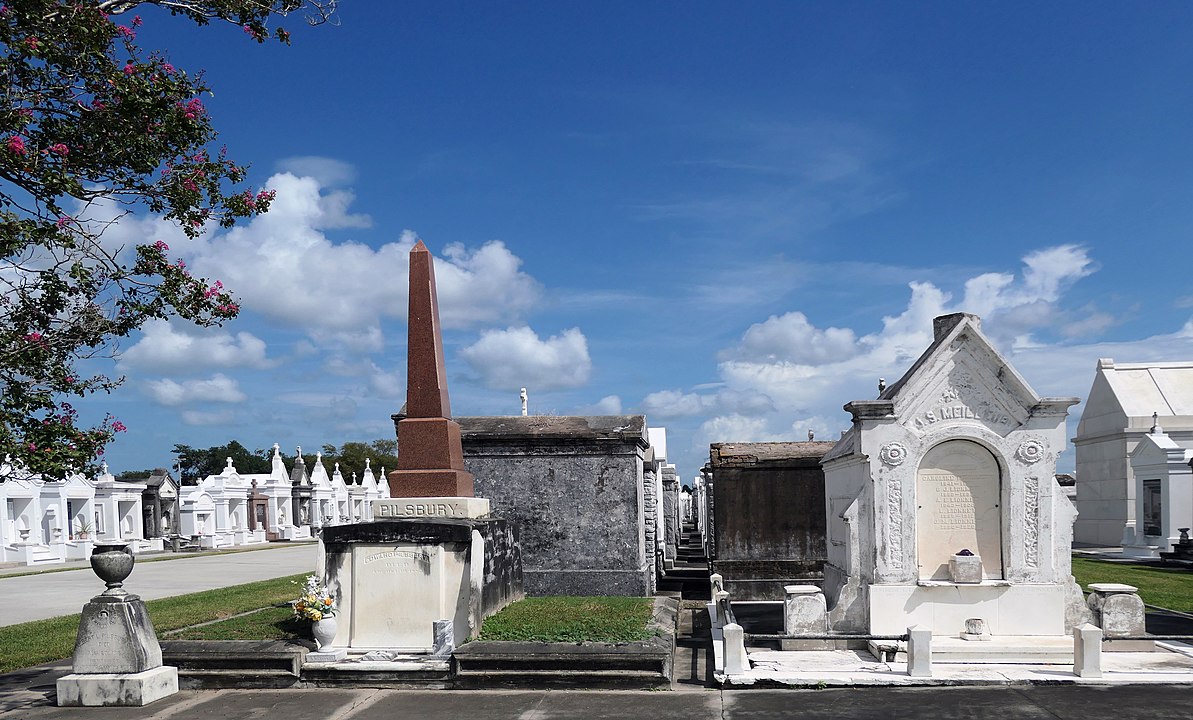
(478, 665)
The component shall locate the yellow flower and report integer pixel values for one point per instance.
(316, 615)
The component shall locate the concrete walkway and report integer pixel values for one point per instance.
(1051, 702)
(51, 594)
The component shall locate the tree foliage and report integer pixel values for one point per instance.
(93, 127)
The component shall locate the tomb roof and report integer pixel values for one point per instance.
(728, 454)
(1141, 389)
(590, 427)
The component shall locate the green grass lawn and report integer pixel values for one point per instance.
(571, 619)
(44, 641)
(276, 623)
(1166, 587)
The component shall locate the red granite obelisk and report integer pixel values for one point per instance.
(430, 456)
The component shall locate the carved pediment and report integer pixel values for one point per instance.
(966, 381)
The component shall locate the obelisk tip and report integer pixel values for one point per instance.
(419, 247)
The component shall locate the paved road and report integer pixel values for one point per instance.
(1053, 702)
(45, 595)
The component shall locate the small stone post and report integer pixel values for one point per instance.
(804, 610)
(1117, 609)
(919, 651)
(736, 662)
(1087, 651)
(716, 584)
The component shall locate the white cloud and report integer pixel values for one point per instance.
(218, 388)
(380, 382)
(329, 172)
(808, 373)
(283, 266)
(791, 337)
(166, 347)
(198, 417)
(676, 403)
(737, 428)
(608, 405)
(516, 357)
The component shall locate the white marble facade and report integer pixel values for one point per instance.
(52, 521)
(959, 454)
(1163, 493)
(1117, 415)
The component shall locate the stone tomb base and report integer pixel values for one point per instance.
(117, 689)
(393, 579)
(944, 607)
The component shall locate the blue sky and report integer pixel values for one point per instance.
(732, 217)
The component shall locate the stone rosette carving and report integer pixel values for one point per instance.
(1030, 451)
(893, 454)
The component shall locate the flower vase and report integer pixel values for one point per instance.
(324, 631)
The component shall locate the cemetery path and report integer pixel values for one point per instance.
(46, 595)
(949, 703)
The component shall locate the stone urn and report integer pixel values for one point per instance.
(324, 631)
(112, 562)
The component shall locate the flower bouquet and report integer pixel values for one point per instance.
(315, 603)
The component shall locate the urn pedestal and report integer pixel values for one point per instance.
(117, 659)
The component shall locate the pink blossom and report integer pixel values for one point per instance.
(118, 427)
(60, 149)
(137, 21)
(32, 42)
(168, 68)
(16, 145)
(126, 32)
(160, 245)
(32, 446)
(129, 69)
(34, 337)
(63, 220)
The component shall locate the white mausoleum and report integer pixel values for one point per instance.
(958, 455)
(1117, 415)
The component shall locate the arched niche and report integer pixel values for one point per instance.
(958, 497)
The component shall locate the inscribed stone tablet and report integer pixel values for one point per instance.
(399, 590)
(957, 488)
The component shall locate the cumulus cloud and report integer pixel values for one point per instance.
(199, 417)
(676, 403)
(787, 367)
(217, 388)
(167, 347)
(792, 338)
(329, 172)
(738, 428)
(516, 357)
(283, 266)
(608, 405)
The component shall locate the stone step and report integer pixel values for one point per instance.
(1007, 649)
(599, 665)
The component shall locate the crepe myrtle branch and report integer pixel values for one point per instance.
(93, 127)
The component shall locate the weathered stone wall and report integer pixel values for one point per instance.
(574, 487)
(769, 515)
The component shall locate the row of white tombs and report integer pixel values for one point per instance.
(46, 521)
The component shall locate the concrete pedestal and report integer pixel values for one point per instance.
(117, 689)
